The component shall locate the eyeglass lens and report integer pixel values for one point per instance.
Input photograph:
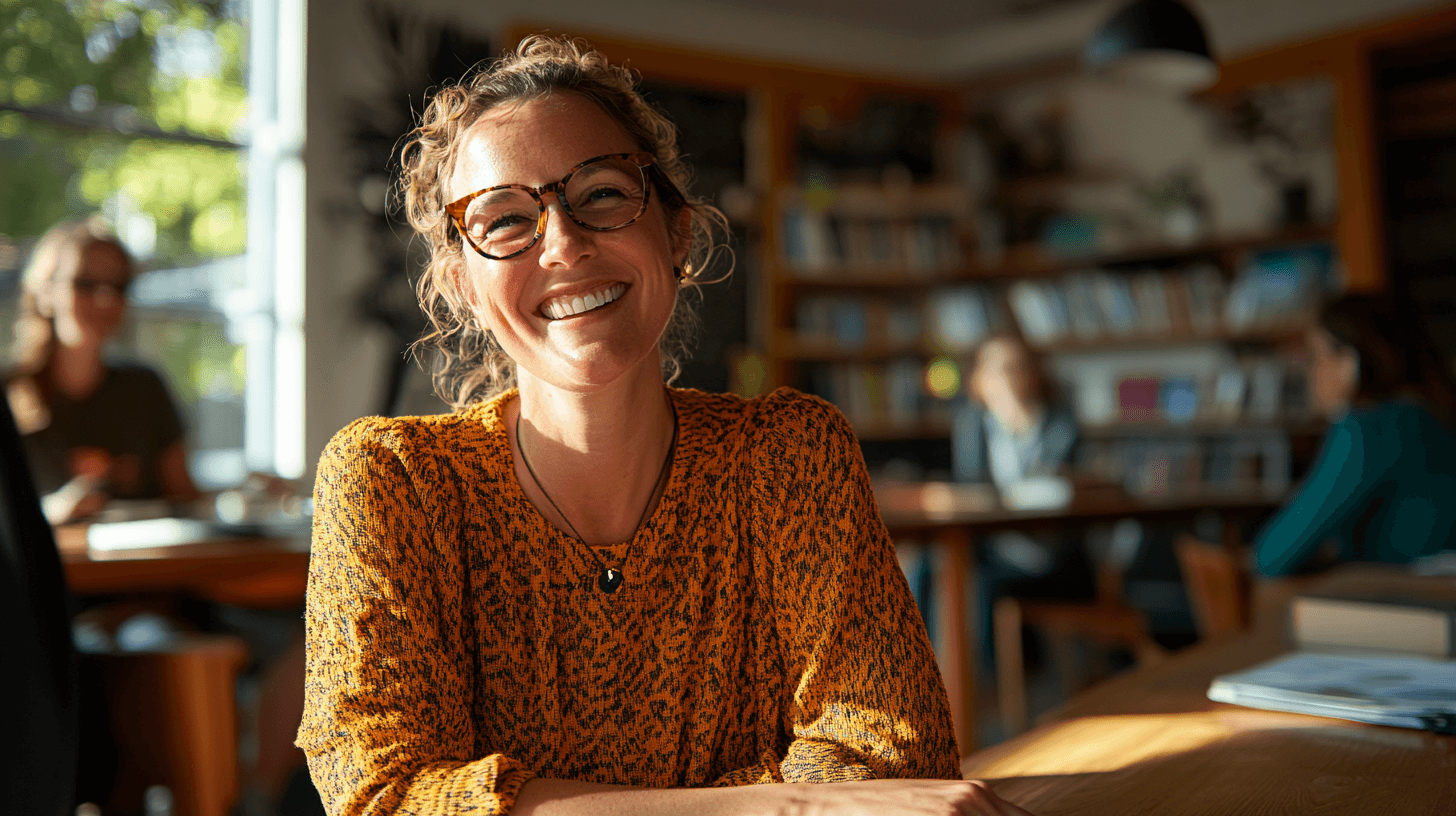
(603, 195)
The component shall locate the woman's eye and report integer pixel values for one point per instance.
(485, 225)
(506, 222)
(604, 193)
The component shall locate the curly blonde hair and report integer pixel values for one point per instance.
(470, 364)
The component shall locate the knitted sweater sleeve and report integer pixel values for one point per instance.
(389, 690)
(865, 696)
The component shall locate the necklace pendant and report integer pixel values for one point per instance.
(609, 580)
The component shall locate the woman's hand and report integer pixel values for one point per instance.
(894, 797)
(85, 494)
(81, 497)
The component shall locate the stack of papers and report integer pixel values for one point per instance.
(1412, 692)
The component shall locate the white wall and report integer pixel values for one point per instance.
(347, 358)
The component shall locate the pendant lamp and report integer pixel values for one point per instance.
(1154, 42)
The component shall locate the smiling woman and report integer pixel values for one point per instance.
(592, 592)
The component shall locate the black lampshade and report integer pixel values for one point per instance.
(1156, 42)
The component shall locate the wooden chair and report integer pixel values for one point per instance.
(1107, 620)
(175, 716)
(1217, 581)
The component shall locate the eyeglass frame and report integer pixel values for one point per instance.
(652, 175)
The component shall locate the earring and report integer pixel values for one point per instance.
(677, 272)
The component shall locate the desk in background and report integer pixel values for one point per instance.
(1151, 742)
(245, 571)
(173, 711)
(952, 515)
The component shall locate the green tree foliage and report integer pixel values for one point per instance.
(91, 78)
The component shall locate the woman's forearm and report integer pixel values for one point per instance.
(557, 797)
(554, 797)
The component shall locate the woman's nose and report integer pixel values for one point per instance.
(563, 241)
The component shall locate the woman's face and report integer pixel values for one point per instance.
(88, 298)
(536, 143)
(1003, 379)
(1333, 370)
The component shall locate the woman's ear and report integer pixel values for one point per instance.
(681, 234)
(461, 294)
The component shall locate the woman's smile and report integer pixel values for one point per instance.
(560, 308)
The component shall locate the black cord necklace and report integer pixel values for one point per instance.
(610, 579)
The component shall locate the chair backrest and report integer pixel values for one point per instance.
(1217, 583)
(38, 686)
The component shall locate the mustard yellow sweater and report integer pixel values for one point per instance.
(458, 644)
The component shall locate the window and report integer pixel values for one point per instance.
(181, 122)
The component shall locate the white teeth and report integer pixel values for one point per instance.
(575, 305)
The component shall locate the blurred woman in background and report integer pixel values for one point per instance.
(1015, 435)
(1383, 487)
(93, 429)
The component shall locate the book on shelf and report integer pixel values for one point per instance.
(815, 242)
(1151, 299)
(1082, 309)
(1178, 400)
(1114, 298)
(873, 395)
(1039, 311)
(1229, 388)
(960, 317)
(1160, 466)
(1266, 389)
(1137, 399)
(1276, 285)
(1175, 289)
(1205, 286)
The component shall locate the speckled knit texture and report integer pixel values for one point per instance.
(458, 644)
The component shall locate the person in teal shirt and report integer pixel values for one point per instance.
(1383, 487)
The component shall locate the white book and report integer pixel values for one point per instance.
(1407, 691)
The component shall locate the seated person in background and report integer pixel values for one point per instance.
(92, 429)
(1383, 487)
(1012, 431)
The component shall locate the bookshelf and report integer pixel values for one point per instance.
(868, 286)
(839, 341)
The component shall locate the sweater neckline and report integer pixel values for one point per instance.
(493, 419)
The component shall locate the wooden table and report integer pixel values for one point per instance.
(172, 710)
(246, 571)
(1151, 742)
(949, 515)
